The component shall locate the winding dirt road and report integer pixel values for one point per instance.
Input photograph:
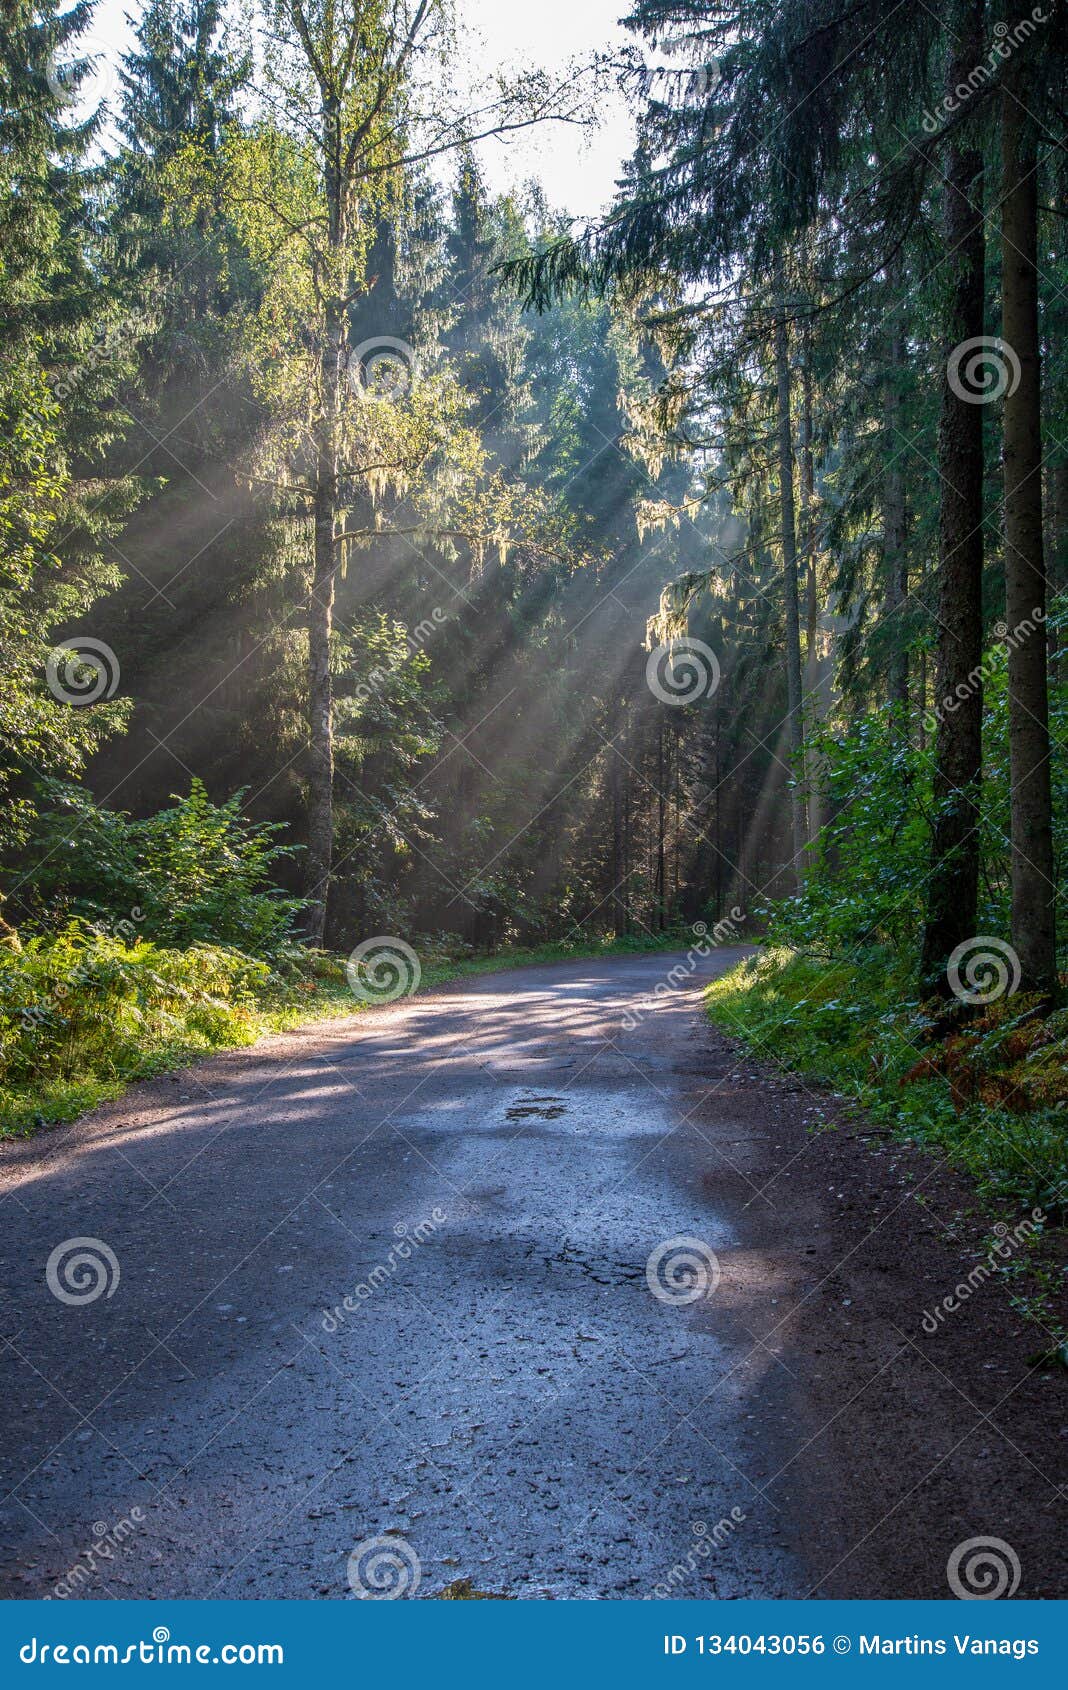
(510, 1394)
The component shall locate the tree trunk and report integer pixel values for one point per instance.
(789, 564)
(321, 601)
(895, 556)
(813, 660)
(718, 834)
(953, 886)
(677, 759)
(1059, 521)
(1055, 319)
(1033, 889)
(615, 777)
(661, 812)
(320, 761)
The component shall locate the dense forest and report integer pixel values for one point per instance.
(382, 556)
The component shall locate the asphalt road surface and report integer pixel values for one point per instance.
(490, 1275)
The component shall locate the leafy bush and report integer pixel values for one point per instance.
(993, 1095)
(81, 1004)
(866, 877)
(82, 1011)
(864, 880)
(196, 874)
(835, 994)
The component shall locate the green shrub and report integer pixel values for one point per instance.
(865, 879)
(83, 1003)
(196, 874)
(991, 1096)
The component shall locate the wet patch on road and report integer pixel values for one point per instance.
(547, 1108)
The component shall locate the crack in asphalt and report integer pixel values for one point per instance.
(482, 1365)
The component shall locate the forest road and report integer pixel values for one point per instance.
(598, 1338)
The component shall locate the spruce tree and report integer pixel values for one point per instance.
(62, 354)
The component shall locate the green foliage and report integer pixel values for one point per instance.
(835, 996)
(178, 80)
(997, 783)
(867, 872)
(864, 883)
(37, 595)
(61, 358)
(856, 1025)
(197, 873)
(81, 1011)
(866, 875)
(82, 1000)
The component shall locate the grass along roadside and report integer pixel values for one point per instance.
(83, 1014)
(990, 1094)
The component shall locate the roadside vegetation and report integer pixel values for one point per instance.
(512, 586)
(991, 1092)
(980, 1074)
(205, 957)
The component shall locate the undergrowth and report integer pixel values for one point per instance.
(84, 1012)
(988, 1089)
